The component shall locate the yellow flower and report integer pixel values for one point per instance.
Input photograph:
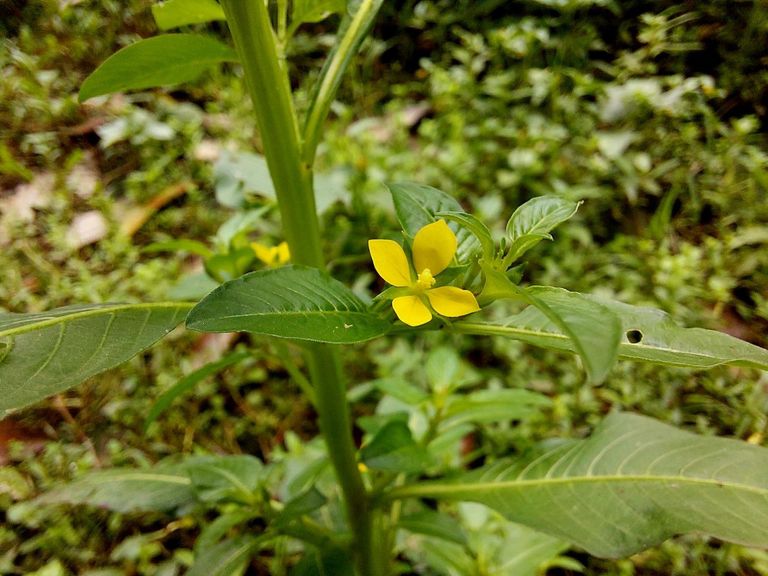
(272, 255)
(433, 249)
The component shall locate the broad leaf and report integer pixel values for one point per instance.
(175, 13)
(189, 382)
(476, 227)
(42, 354)
(305, 503)
(290, 302)
(161, 488)
(417, 205)
(633, 484)
(648, 335)
(227, 558)
(533, 221)
(159, 61)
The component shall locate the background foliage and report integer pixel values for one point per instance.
(651, 112)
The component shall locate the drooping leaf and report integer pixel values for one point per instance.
(648, 334)
(417, 205)
(161, 488)
(634, 483)
(227, 558)
(290, 302)
(594, 331)
(305, 11)
(159, 61)
(42, 354)
(533, 221)
(175, 13)
(189, 381)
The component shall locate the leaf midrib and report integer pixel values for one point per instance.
(501, 330)
(440, 489)
(76, 315)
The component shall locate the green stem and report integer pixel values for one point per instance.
(269, 87)
(352, 34)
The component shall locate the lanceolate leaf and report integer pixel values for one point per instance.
(290, 302)
(633, 484)
(164, 487)
(160, 61)
(41, 354)
(533, 221)
(417, 205)
(175, 13)
(647, 334)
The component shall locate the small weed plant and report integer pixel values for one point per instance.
(388, 487)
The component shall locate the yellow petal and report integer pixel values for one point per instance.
(283, 253)
(264, 253)
(433, 247)
(411, 310)
(451, 301)
(390, 262)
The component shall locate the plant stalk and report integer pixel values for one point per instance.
(268, 84)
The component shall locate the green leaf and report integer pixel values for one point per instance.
(159, 61)
(329, 561)
(315, 10)
(633, 484)
(593, 329)
(175, 13)
(305, 503)
(476, 227)
(227, 558)
(161, 488)
(213, 532)
(222, 478)
(180, 245)
(290, 302)
(46, 353)
(400, 389)
(648, 334)
(417, 205)
(431, 523)
(523, 551)
(533, 221)
(393, 449)
(488, 406)
(189, 381)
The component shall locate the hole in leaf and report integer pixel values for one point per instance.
(634, 336)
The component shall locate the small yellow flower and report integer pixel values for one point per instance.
(272, 255)
(433, 249)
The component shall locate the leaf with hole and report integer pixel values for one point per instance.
(52, 351)
(647, 334)
(290, 302)
(634, 483)
(164, 60)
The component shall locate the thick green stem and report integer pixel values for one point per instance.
(268, 84)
